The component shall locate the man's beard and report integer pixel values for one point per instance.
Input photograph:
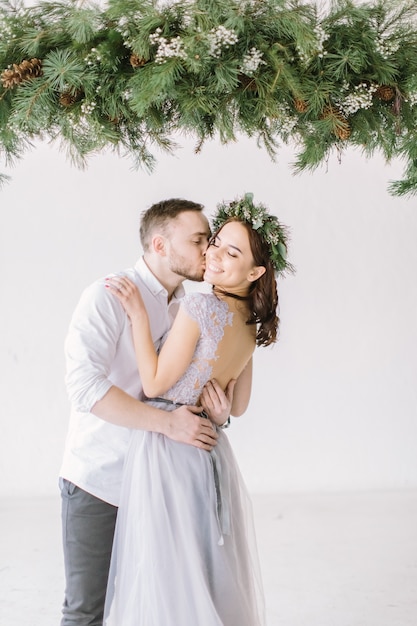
(180, 266)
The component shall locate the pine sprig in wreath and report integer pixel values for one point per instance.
(273, 234)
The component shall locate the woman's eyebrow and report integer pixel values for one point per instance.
(230, 245)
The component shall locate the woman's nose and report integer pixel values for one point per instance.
(214, 253)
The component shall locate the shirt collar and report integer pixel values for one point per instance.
(153, 283)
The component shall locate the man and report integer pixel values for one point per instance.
(104, 388)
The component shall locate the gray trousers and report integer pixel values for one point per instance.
(87, 531)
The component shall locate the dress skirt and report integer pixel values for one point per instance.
(184, 551)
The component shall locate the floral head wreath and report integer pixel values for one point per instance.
(267, 226)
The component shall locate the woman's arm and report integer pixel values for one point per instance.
(242, 390)
(158, 372)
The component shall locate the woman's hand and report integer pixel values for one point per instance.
(128, 295)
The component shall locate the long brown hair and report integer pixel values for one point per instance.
(262, 300)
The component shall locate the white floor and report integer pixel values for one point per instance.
(328, 560)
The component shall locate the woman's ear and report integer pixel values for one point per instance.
(256, 272)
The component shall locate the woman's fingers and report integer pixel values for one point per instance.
(120, 285)
(128, 295)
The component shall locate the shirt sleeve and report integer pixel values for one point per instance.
(90, 346)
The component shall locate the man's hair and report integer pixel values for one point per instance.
(160, 214)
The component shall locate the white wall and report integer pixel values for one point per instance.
(334, 403)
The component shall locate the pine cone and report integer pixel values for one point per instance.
(342, 131)
(15, 75)
(300, 105)
(329, 112)
(248, 82)
(68, 98)
(137, 61)
(385, 93)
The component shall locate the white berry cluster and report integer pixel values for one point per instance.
(125, 22)
(167, 48)
(74, 122)
(187, 18)
(251, 61)
(386, 47)
(360, 98)
(12, 18)
(122, 26)
(304, 56)
(93, 57)
(88, 107)
(412, 98)
(286, 121)
(287, 124)
(321, 37)
(127, 95)
(252, 4)
(6, 31)
(220, 38)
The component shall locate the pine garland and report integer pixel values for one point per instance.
(128, 75)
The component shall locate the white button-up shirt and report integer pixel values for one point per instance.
(99, 354)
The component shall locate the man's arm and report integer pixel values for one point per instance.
(181, 425)
(90, 345)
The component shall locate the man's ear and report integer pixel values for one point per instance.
(256, 272)
(158, 245)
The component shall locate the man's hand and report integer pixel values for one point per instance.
(216, 402)
(185, 426)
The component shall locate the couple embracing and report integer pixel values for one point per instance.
(157, 526)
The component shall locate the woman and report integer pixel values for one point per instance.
(184, 551)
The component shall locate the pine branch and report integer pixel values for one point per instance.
(127, 76)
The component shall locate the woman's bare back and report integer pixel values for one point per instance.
(225, 345)
(236, 346)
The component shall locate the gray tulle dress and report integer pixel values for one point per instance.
(184, 551)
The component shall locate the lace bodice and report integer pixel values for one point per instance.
(212, 316)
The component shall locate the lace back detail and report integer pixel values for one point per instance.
(212, 316)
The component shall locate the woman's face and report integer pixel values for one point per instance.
(229, 261)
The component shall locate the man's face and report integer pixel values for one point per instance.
(187, 239)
